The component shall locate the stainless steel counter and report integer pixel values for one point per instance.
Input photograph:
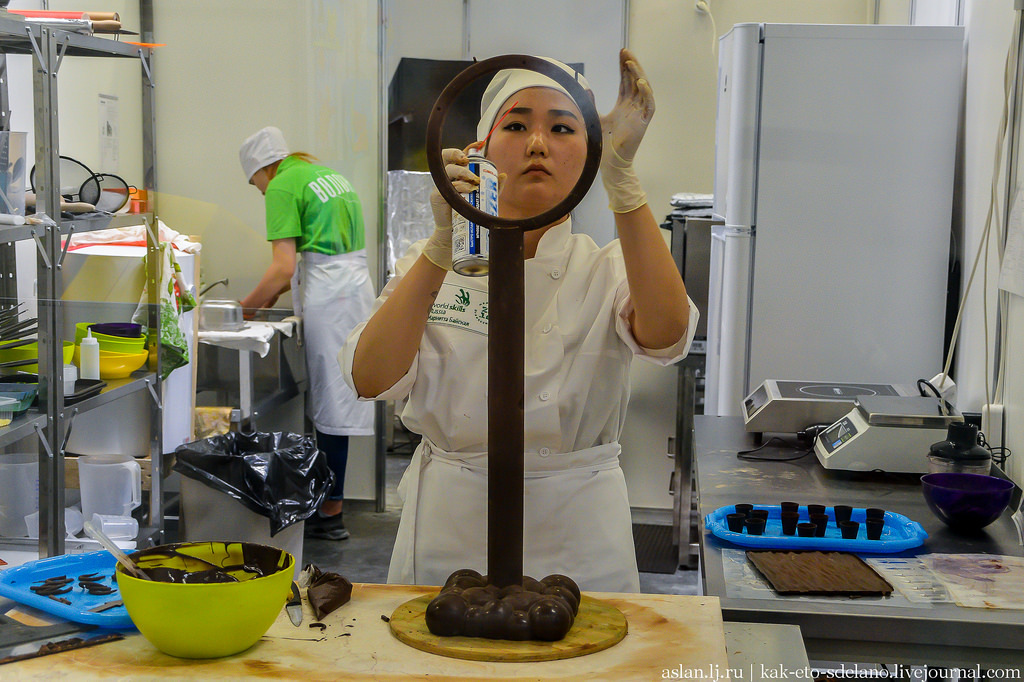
(843, 629)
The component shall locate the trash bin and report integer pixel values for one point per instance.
(258, 487)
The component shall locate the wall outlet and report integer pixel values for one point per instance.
(992, 424)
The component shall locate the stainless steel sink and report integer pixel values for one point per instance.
(254, 385)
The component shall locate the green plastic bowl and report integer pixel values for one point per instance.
(116, 344)
(207, 620)
(30, 351)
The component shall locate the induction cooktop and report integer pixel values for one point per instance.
(789, 406)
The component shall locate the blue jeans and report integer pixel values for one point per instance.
(336, 449)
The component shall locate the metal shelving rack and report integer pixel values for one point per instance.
(53, 421)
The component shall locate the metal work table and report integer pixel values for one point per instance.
(892, 630)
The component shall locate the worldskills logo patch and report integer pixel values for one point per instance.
(481, 313)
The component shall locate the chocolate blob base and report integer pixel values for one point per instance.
(469, 606)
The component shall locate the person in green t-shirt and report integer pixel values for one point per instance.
(315, 227)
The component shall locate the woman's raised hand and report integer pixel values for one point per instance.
(623, 129)
(438, 249)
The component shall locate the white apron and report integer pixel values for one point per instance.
(577, 519)
(332, 294)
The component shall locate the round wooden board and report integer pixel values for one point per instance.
(597, 626)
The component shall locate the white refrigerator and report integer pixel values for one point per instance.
(834, 163)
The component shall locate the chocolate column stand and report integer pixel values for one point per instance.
(506, 315)
(505, 385)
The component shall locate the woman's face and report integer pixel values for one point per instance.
(541, 146)
(260, 179)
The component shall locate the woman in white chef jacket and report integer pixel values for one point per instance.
(589, 310)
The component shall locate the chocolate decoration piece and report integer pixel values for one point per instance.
(790, 507)
(735, 521)
(435, 128)
(513, 612)
(849, 529)
(818, 573)
(550, 619)
(557, 579)
(505, 417)
(755, 526)
(789, 521)
(874, 528)
(744, 508)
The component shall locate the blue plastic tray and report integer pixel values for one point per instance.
(898, 533)
(15, 583)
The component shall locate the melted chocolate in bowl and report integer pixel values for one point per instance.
(221, 562)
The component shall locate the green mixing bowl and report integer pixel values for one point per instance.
(115, 344)
(31, 352)
(207, 620)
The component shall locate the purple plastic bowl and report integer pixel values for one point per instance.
(966, 501)
(128, 330)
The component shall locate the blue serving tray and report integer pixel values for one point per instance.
(15, 583)
(899, 533)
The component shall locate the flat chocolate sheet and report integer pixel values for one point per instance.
(830, 573)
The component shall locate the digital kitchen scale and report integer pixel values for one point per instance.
(790, 406)
(885, 433)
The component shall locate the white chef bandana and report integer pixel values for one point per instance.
(261, 149)
(510, 81)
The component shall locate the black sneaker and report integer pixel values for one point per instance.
(326, 528)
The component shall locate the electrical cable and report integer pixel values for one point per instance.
(983, 244)
(702, 6)
(747, 454)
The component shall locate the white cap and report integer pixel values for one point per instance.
(510, 81)
(261, 149)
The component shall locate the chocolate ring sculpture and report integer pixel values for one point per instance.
(505, 604)
(591, 121)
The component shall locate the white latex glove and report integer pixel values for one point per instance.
(438, 249)
(623, 128)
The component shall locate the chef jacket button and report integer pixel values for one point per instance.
(546, 329)
(556, 273)
(545, 395)
(544, 452)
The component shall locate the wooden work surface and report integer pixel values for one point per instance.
(665, 632)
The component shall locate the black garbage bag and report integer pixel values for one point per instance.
(278, 475)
